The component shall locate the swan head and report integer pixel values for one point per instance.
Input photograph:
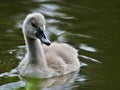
(34, 27)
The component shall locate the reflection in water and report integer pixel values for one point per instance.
(55, 83)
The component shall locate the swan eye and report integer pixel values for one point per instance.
(33, 25)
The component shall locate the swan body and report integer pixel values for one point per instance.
(45, 61)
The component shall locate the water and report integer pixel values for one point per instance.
(90, 26)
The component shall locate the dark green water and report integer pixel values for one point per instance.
(91, 26)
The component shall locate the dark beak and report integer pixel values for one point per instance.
(42, 36)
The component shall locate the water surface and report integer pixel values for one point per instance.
(92, 27)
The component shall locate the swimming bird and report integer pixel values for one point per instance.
(44, 59)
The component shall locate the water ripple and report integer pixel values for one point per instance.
(89, 58)
(12, 73)
(12, 86)
(87, 48)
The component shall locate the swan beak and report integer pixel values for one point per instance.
(43, 38)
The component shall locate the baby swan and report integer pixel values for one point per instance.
(43, 61)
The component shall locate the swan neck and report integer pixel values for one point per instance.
(35, 53)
